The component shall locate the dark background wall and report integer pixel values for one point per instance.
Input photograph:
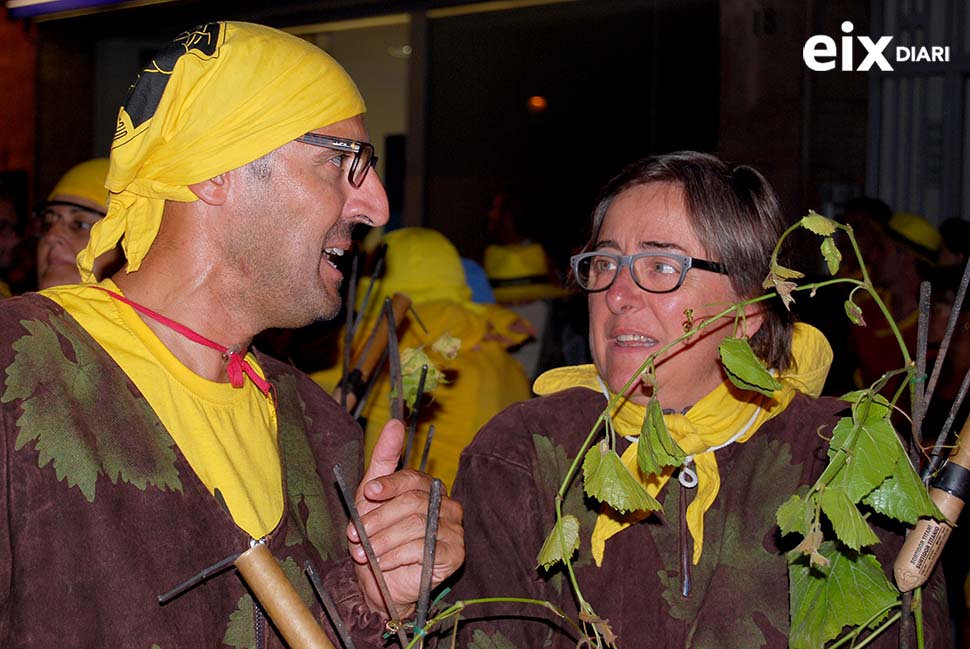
(622, 80)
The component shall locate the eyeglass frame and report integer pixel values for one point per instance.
(686, 263)
(348, 146)
(41, 211)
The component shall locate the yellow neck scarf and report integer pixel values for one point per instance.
(216, 98)
(724, 416)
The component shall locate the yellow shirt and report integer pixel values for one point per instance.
(227, 435)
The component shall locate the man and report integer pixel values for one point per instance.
(77, 202)
(137, 451)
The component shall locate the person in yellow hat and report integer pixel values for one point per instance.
(478, 377)
(143, 440)
(676, 239)
(77, 202)
(522, 277)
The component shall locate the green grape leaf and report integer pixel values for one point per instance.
(561, 543)
(878, 405)
(850, 592)
(656, 448)
(903, 496)
(848, 523)
(820, 225)
(607, 480)
(833, 257)
(854, 312)
(412, 361)
(872, 452)
(796, 514)
(744, 369)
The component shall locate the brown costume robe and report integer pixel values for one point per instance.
(100, 512)
(507, 482)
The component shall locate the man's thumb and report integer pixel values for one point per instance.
(387, 452)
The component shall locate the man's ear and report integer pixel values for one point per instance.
(213, 191)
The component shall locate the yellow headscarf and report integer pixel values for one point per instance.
(216, 98)
(723, 416)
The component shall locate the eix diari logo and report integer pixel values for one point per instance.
(820, 52)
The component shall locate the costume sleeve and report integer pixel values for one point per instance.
(506, 520)
(365, 626)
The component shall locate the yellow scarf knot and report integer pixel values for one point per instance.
(724, 416)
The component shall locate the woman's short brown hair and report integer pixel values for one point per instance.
(735, 214)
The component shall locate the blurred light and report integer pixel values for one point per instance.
(537, 104)
(400, 52)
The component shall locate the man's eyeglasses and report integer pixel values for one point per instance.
(78, 219)
(654, 272)
(364, 157)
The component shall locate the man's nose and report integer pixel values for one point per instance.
(368, 203)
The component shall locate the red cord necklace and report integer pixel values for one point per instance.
(236, 364)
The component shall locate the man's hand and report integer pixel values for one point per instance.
(394, 508)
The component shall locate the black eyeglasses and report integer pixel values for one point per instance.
(654, 272)
(78, 219)
(364, 157)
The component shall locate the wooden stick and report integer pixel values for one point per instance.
(367, 361)
(344, 384)
(427, 564)
(394, 363)
(427, 449)
(375, 567)
(329, 606)
(413, 417)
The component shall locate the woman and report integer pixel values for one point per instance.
(675, 239)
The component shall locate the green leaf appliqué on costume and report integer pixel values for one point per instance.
(303, 484)
(481, 640)
(737, 539)
(240, 631)
(64, 401)
(552, 463)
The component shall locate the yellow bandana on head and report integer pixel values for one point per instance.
(723, 416)
(216, 98)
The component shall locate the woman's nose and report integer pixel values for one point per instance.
(624, 294)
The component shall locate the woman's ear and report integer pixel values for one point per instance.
(212, 191)
(753, 319)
